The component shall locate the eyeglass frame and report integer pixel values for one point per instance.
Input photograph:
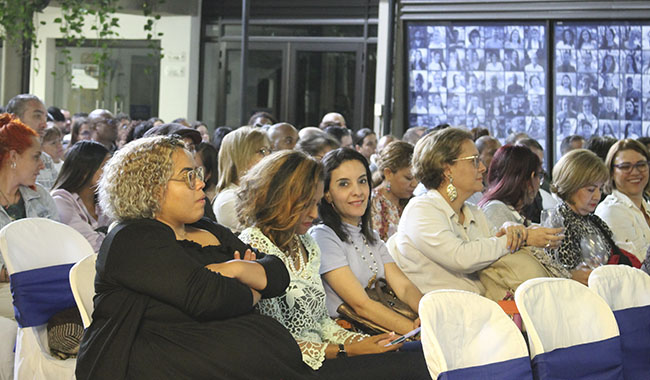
(476, 158)
(191, 176)
(264, 149)
(640, 166)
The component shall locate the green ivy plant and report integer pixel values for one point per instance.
(16, 22)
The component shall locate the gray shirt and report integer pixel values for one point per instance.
(337, 254)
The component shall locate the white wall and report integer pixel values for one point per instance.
(179, 69)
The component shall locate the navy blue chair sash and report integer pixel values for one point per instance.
(602, 360)
(515, 369)
(634, 325)
(40, 293)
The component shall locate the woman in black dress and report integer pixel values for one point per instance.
(174, 292)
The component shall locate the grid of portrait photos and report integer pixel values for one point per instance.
(602, 79)
(488, 75)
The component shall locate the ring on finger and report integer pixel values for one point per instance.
(548, 244)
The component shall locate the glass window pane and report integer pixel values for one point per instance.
(263, 86)
(325, 82)
(475, 74)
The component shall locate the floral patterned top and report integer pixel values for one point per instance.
(385, 214)
(302, 309)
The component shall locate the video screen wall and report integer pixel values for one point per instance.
(494, 75)
(602, 79)
(489, 75)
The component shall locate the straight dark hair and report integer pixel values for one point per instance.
(81, 162)
(509, 174)
(326, 211)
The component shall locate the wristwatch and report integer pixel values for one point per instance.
(342, 353)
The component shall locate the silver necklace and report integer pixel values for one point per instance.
(374, 268)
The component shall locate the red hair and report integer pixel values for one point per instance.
(14, 135)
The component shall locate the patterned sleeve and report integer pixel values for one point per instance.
(378, 220)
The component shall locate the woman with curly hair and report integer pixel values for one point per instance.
(279, 199)
(174, 291)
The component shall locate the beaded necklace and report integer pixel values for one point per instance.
(374, 268)
(293, 252)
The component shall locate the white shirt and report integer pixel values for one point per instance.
(435, 251)
(224, 208)
(630, 230)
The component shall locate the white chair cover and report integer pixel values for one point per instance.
(627, 291)
(34, 243)
(82, 282)
(572, 333)
(462, 329)
(621, 286)
(8, 329)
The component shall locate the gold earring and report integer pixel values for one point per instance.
(451, 190)
(13, 164)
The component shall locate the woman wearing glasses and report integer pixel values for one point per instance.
(240, 150)
(625, 210)
(174, 291)
(441, 241)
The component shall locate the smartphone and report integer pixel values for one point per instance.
(403, 337)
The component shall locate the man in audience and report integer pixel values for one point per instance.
(570, 143)
(341, 134)
(58, 119)
(103, 128)
(31, 111)
(412, 135)
(283, 136)
(333, 119)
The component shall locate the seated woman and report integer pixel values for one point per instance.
(20, 195)
(513, 181)
(395, 187)
(442, 241)
(354, 256)
(578, 178)
(74, 191)
(175, 292)
(279, 198)
(240, 150)
(625, 210)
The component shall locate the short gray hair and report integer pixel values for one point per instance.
(18, 103)
(135, 178)
(433, 151)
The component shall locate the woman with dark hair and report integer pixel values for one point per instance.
(206, 156)
(585, 41)
(609, 39)
(260, 119)
(513, 180)
(365, 142)
(353, 255)
(279, 199)
(80, 131)
(218, 135)
(609, 64)
(74, 191)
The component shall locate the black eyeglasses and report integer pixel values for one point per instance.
(475, 158)
(191, 176)
(626, 167)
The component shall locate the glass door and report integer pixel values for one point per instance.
(327, 78)
(264, 86)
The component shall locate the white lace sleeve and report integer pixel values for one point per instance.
(302, 308)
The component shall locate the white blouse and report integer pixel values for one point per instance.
(301, 310)
(629, 227)
(436, 251)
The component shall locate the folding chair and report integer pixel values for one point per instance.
(82, 283)
(466, 336)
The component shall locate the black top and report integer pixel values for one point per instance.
(160, 314)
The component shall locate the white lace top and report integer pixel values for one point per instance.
(302, 308)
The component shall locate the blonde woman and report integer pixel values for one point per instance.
(240, 150)
(394, 187)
